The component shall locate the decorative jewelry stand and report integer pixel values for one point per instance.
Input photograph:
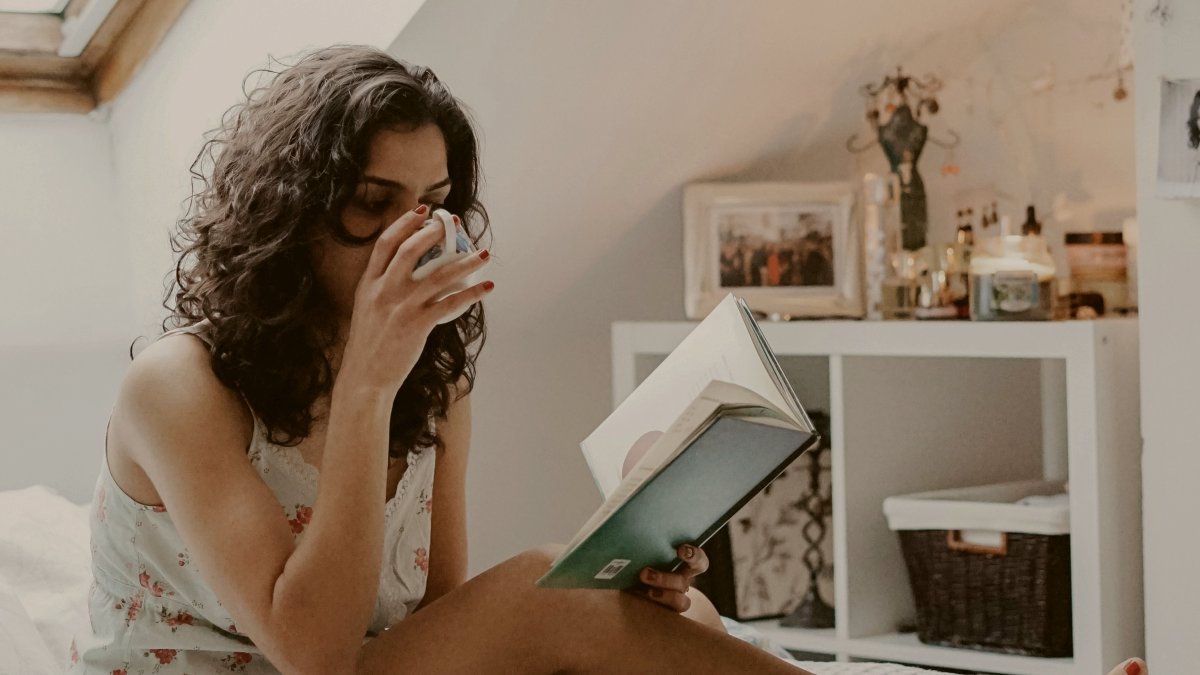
(899, 131)
(816, 503)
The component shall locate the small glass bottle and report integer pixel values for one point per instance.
(960, 270)
(1031, 225)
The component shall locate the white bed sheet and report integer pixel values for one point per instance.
(22, 649)
(45, 563)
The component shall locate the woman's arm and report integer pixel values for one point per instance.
(448, 545)
(186, 431)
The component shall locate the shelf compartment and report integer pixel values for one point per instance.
(898, 440)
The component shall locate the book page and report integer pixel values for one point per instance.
(716, 398)
(767, 358)
(719, 348)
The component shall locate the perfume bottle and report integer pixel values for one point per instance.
(958, 270)
(1031, 225)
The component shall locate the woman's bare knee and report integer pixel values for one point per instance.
(703, 611)
(520, 572)
(538, 559)
(507, 617)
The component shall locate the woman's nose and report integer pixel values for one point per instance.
(403, 207)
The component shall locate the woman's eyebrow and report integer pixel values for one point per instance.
(401, 186)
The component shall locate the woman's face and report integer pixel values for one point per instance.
(404, 169)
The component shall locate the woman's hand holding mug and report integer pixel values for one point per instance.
(395, 307)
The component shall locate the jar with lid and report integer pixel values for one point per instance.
(1012, 279)
(1098, 265)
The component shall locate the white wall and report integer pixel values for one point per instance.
(1169, 246)
(594, 115)
(65, 299)
(192, 78)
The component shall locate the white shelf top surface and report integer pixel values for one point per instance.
(1013, 339)
(905, 647)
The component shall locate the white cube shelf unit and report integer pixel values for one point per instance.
(918, 406)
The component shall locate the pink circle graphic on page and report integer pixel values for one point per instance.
(640, 446)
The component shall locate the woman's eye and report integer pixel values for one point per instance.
(375, 207)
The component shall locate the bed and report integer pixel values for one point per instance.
(44, 577)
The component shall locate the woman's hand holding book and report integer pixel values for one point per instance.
(670, 588)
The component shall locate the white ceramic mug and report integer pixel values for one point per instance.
(456, 245)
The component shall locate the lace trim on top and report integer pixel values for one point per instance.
(292, 462)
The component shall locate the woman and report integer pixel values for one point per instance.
(269, 494)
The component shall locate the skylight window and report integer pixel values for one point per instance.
(73, 55)
(33, 6)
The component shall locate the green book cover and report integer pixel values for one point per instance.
(685, 502)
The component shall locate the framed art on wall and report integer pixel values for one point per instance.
(790, 249)
(1179, 140)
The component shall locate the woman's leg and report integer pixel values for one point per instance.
(499, 622)
(702, 610)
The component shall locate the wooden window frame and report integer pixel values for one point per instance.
(34, 78)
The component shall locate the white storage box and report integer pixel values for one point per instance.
(990, 566)
(987, 508)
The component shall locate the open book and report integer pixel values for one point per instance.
(713, 425)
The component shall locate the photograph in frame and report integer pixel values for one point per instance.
(775, 246)
(789, 249)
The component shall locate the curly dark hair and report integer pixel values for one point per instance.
(273, 177)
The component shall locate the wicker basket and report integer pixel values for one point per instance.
(1011, 594)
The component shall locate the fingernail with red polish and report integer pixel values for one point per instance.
(420, 210)
(651, 576)
(1132, 668)
(487, 285)
(656, 593)
(484, 255)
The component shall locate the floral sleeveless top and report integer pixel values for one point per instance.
(152, 612)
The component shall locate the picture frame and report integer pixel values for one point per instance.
(790, 249)
(1179, 140)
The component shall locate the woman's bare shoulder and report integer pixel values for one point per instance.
(171, 391)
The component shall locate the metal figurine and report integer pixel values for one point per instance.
(899, 131)
(816, 503)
